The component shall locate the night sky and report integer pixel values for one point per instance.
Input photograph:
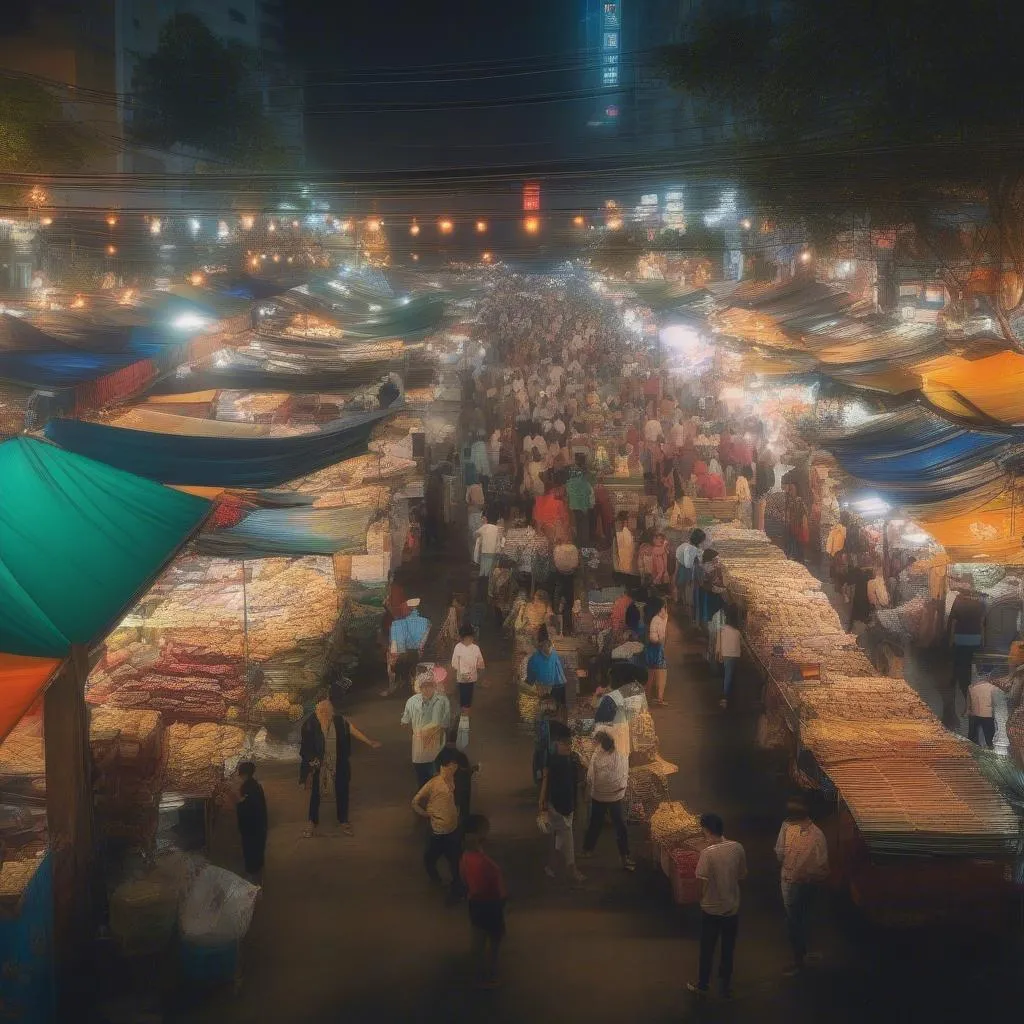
(370, 77)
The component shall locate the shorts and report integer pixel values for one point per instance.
(466, 695)
(488, 916)
(654, 656)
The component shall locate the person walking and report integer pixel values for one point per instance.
(484, 885)
(545, 668)
(325, 769)
(654, 652)
(468, 663)
(580, 494)
(720, 868)
(606, 779)
(251, 810)
(803, 853)
(729, 647)
(558, 788)
(435, 801)
(408, 638)
(624, 552)
(428, 714)
(485, 550)
(566, 557)
(981, 712)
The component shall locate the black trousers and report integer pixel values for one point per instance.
(582, 521)
(963, 662)
(713, 927)
(987, 727)
(450, 848)
(598, 810)
(563, 585)
(341, 784)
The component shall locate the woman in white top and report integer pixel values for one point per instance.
(606, 779)
(654, 653)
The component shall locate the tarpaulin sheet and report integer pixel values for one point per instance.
(977, 388)
(68, 369)
(218, 461)
(78, 540)
(317, 380)
(191, 426)
(22, 679)
(292, 531)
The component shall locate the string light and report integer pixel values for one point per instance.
(445, 226)
(111, 250)
(578, 221)
(414, 229)
(481, 226)
(531, 225)
(111, 220)
(155, 227)
(248, 221)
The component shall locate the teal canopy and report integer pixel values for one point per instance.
(78, 542)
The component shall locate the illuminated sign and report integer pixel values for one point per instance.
(649, 200)
(531, 196)
(610, 44)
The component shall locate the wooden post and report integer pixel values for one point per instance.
(69, 812)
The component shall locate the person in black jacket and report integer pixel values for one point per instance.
(325, 749)
(252, 821)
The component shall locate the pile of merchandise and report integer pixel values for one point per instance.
(127, 756)
(200, 756)
(23, 829)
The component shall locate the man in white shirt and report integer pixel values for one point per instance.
(607, 777)
(803, 853)
(652, 431)
(720, 869)
(428, 713)
(468, 663)
(487, 546)
(981, 712)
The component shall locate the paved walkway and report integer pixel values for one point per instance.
(349, 930)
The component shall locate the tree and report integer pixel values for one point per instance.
(195, 90)
(904, 114)
(35, 136)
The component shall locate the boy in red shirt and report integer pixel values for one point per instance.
(485, 889)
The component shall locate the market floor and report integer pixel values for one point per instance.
(349, 928)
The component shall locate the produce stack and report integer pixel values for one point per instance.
(127, 757)
(23, 830)
(676, 842)
(200, 756)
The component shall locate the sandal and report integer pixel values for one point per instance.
(347, 829)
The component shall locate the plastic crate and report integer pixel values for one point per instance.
(682, 875)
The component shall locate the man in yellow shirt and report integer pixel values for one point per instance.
(436, 802)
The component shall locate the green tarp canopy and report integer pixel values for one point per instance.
(78, 542)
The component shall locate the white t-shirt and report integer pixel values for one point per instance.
(802, 852)
(980, 696)
(723, 866)
(467, 662)
(652, 430)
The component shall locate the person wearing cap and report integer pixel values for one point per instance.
(545, 667)
(407, 640)
(428, 714)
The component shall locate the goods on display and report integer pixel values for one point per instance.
(672, 825)
(197, 755)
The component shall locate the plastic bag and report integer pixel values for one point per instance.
(462, 735)
(218, 909)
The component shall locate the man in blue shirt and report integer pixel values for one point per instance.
(407, 640)
(545, 667)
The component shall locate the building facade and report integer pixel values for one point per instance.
(254, 24)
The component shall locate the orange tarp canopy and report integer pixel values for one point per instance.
(994, 385)
(22, 680)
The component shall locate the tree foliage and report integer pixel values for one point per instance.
(35, 135)
(904, 113)
(197, 91)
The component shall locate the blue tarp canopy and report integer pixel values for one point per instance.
(292, 531)
(217, 461)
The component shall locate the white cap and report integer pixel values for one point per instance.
(413, 602)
